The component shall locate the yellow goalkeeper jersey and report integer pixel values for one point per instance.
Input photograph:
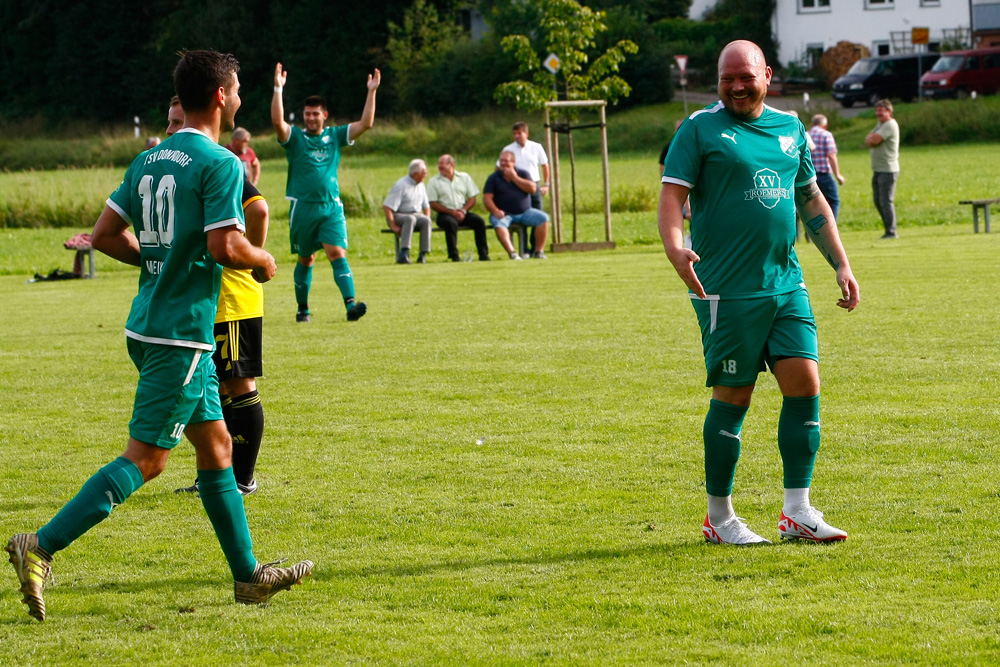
(241, 297)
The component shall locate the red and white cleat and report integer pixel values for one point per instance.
(808, 524)
(732, 531)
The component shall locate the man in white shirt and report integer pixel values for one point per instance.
(530, 156)
(406, 206)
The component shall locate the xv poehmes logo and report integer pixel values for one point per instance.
(767, 188)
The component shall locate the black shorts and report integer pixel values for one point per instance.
(238, 348)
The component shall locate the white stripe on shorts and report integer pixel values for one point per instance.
(194, 365)
(713, 308)
(291, 212)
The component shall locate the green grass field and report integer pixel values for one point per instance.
(570, 535)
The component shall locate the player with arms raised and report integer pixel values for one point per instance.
(740, 160)
(316, 219)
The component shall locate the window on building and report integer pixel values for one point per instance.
(880, 48)
(813, 6)
(930, 3)
(880, 4)
(813, 54)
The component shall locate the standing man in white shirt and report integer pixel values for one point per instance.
(530, 156)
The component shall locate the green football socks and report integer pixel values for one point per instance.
(342, 276)
(302, 276)
(107, 488)
(224, 506)
(723, 424)
(245, 422)
(798, 439)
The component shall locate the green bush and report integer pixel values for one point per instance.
(624, 199)
(34, 215)
(639, 129)
(928, 123)
(361, 203)
(108, 148)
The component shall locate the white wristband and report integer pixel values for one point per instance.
(278, 89)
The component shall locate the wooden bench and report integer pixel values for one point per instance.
(80, 244)
(983, 204)
(520, 230)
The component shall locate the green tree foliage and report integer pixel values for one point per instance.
(418, 46)
(107, 60)
(568, 30)
(747, 19)
(702, 41)
(650, 10)
(648, 72)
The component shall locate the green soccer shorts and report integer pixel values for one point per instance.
(177, 387)
(311, 224)
(743, 337)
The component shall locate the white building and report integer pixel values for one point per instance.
(804, 29)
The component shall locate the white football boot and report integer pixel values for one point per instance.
(732, 531)
(807, 524)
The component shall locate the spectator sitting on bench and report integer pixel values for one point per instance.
(507, 195)
(453, 194)
(407, 207)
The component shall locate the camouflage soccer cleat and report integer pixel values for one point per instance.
(268, 580)
(33, 570)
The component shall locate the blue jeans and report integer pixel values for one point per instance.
(530, 218)
(828, 186)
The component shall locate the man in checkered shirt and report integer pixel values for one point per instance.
(825, 161)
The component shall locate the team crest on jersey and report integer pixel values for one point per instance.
(788, 146)
(326, 138)
(767, 188)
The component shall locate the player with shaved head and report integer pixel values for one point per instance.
(747, 169)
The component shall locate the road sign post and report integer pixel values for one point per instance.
(682, 63)
(920, 36)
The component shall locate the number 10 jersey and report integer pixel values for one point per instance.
(173, 195)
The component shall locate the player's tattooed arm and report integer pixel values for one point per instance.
(817, 215)
(822, 230)
(806, 194)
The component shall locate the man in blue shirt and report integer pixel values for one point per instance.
(507, 196)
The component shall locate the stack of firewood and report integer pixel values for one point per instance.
(836, 61)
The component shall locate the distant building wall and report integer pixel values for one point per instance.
(805, 28)
(986, 23)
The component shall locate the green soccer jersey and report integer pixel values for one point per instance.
(742, 175)
(313, 162)
(173, 195)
